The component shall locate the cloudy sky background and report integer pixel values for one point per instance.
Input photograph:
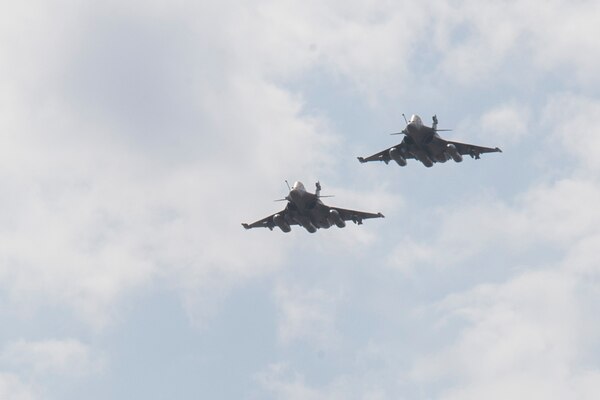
(135, 136)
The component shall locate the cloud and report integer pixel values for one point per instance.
(12, 388)
(571, 119)
(569, 45)
(367, 45)
(294, 388)
(307, 315)
(284, 383)
(507, 123)
(525, 337)
(61, 357)
(478, 42)
(138, 159)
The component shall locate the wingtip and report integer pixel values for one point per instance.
(381, 215)
(361, 159)
(246, 226)
(498, 149)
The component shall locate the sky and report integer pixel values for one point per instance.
(136, 136)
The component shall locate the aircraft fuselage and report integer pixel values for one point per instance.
(427, 145)
(307, 209)
(301, 199)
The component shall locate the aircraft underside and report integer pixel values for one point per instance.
(321, 218)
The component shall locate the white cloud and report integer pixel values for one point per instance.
(524, 338)
(12, 388)
(284, 383)
(307, 315)
(285, 388)
(570, 42)
(484, 38)
(62, 357)
(558, 37)
(121, 173)
(377, 46)
(572, 122)
(581, 257)
(507, 123)
(365, 46)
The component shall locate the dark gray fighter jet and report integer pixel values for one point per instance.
(307, 210)
(424, 144)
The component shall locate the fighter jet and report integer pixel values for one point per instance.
(424, 144)
(307, 210)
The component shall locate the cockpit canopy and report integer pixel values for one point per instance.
(415, 120)
(298, 186)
